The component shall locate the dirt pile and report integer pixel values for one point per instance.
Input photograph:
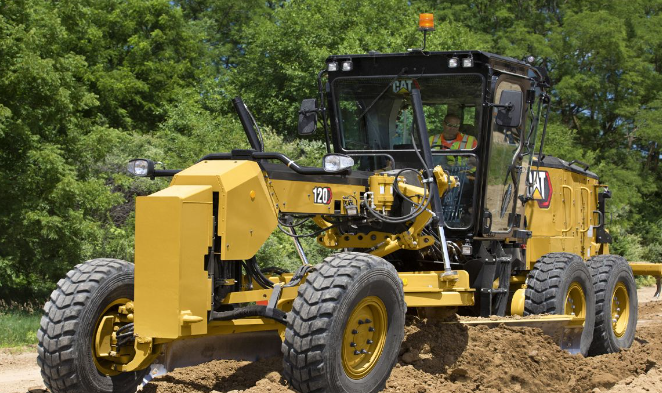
(439, 357)
(514, 359)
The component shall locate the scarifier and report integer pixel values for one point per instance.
(495, 228)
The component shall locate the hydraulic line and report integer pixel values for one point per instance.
(250, 311)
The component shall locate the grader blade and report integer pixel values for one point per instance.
(652, 269)
(564, 329)
(249, 346)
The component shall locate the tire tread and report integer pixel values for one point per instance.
(602, 267)
(307, 338)
(59, 321)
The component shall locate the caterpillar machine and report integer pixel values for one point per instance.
(491, 228)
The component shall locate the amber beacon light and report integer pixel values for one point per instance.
(426, 22)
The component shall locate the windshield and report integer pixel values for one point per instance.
(375, 113)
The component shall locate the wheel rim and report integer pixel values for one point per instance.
(620, 310)
(105, 363)
(575, 301)
(364, 337)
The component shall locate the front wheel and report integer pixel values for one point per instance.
(346, 326)
(615, 304)
(77, 349)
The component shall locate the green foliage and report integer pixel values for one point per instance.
(275, 75)
(18, 324)
(87, 85)
(644, 281)
(279, 249)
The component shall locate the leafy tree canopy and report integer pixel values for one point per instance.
(87, 85)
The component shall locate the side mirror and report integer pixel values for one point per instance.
(308, 117)
(141, 167)
(510, 109)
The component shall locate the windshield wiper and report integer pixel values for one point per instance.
(382, 93)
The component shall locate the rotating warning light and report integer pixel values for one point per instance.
(426, 22)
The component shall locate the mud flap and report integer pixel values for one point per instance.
(658, 283)
(190, 352)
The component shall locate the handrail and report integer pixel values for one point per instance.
(572, 196)
(587, 214)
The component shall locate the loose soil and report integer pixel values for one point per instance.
(436, 357)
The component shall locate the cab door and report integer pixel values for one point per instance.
(504, 165)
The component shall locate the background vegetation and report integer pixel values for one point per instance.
(88, 84)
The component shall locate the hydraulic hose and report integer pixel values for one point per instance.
(250, 311)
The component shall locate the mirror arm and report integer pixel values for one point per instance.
(509, 106)
(316, 110)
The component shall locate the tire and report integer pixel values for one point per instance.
(556, 278)
(65, 349)
(614, 282)
(326, 318)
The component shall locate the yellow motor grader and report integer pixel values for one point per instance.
(492, 228)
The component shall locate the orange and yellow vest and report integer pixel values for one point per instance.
(460, 142)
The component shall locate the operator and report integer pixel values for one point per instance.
(451, 138)
(458, 202)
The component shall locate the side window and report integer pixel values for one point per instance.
(501, 178)
(469, 122)
(354, 136)
(402, 127)
(434, 117)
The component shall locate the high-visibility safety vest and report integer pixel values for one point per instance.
(461, 142)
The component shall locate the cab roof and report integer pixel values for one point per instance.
(424, 62)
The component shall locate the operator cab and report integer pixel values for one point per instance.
(488, 100)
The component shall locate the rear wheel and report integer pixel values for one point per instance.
(615, 304)
(560, 283)
(346, 326)
(77, 351)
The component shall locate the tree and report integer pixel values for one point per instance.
(284, 52)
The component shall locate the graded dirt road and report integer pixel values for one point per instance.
(436, 358)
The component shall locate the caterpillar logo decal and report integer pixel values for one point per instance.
(402, 86)
(540, 188)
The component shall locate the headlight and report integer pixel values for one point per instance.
(453, 62)
(468, 62)
(337, 162)
(332, 66)
(141, 167)
(347, 65)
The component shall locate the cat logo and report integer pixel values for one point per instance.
(402, 87)
(540, 188)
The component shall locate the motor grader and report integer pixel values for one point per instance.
(492, 229)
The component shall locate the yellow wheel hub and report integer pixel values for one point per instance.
(364, 337)
(105, 353)
(620, 309)
(575, 301)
